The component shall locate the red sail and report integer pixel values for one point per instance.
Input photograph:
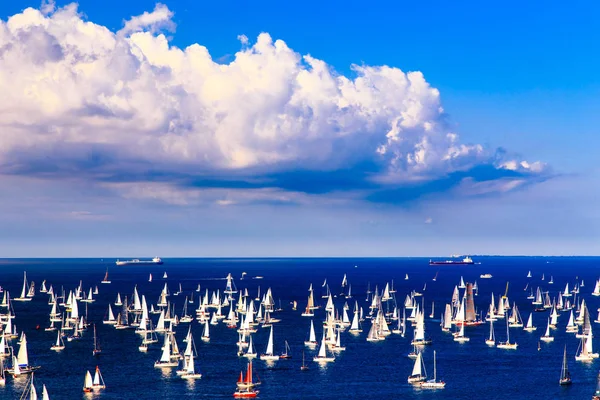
(249, 373)
(241, 377)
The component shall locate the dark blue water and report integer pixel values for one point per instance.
(364, 370)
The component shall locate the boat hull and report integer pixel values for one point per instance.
(451, 262)
(245, 395)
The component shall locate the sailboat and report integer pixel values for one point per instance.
(547, 337)
(105, 280)
(460, 335)
(98, 382)
(432, 309)
(491, 340)
(565, 375)
(286, 352)
(60, 344)
(529, 274)
(88, 383)
(96, 349)
(24, 292)
(150, 278)
(312, 338)
(30, 392)
(338, 344)
(206, 333)
(245, 387)
(165, 358)
(189, 370)
(110, 319)
(165, 275)
(250, 352)
(21, 361)
(529, 327)
(418, 374)
(322, 356)
(433, 383)
(268, 355)
(304, 367)
(507, 344)
(406, 277)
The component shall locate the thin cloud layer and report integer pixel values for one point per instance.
(128, 110)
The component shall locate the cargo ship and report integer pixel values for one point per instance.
(136, 261)
(465, 261)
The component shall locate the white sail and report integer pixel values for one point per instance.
(160, 325)
(448, 317)
(137, 304)
(32, 391)
(322, 349)
(529, 326)
(596, 291)
(417, 370)
(16, 369)
(420, 328)
(166, 353)
(22, 358)
(269, 350)
(312, 336)
(206, 332)
(88, 382)
(3, 348)
(355, 326)
(24, 290)
(45, 395)
(74, 310)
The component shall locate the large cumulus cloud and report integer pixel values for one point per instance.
(126, 109)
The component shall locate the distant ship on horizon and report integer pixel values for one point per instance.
(465, 261)
(136, 261)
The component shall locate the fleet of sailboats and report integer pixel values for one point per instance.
(383, 314)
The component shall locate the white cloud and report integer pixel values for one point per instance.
(243, 39)
(159, 19)
(79, 99)
(47, 7)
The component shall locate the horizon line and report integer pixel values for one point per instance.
(288, 257)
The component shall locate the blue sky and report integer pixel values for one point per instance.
(273, 156)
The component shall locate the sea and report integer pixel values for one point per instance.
(365, 370)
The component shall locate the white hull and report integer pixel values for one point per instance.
(433, 385)
(168, 364)
(323, 359)
(191, 376)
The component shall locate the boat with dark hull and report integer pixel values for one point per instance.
(465, 261)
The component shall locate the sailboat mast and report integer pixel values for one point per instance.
(434, 367)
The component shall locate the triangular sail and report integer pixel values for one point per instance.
(22, 358)
(417, 371)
